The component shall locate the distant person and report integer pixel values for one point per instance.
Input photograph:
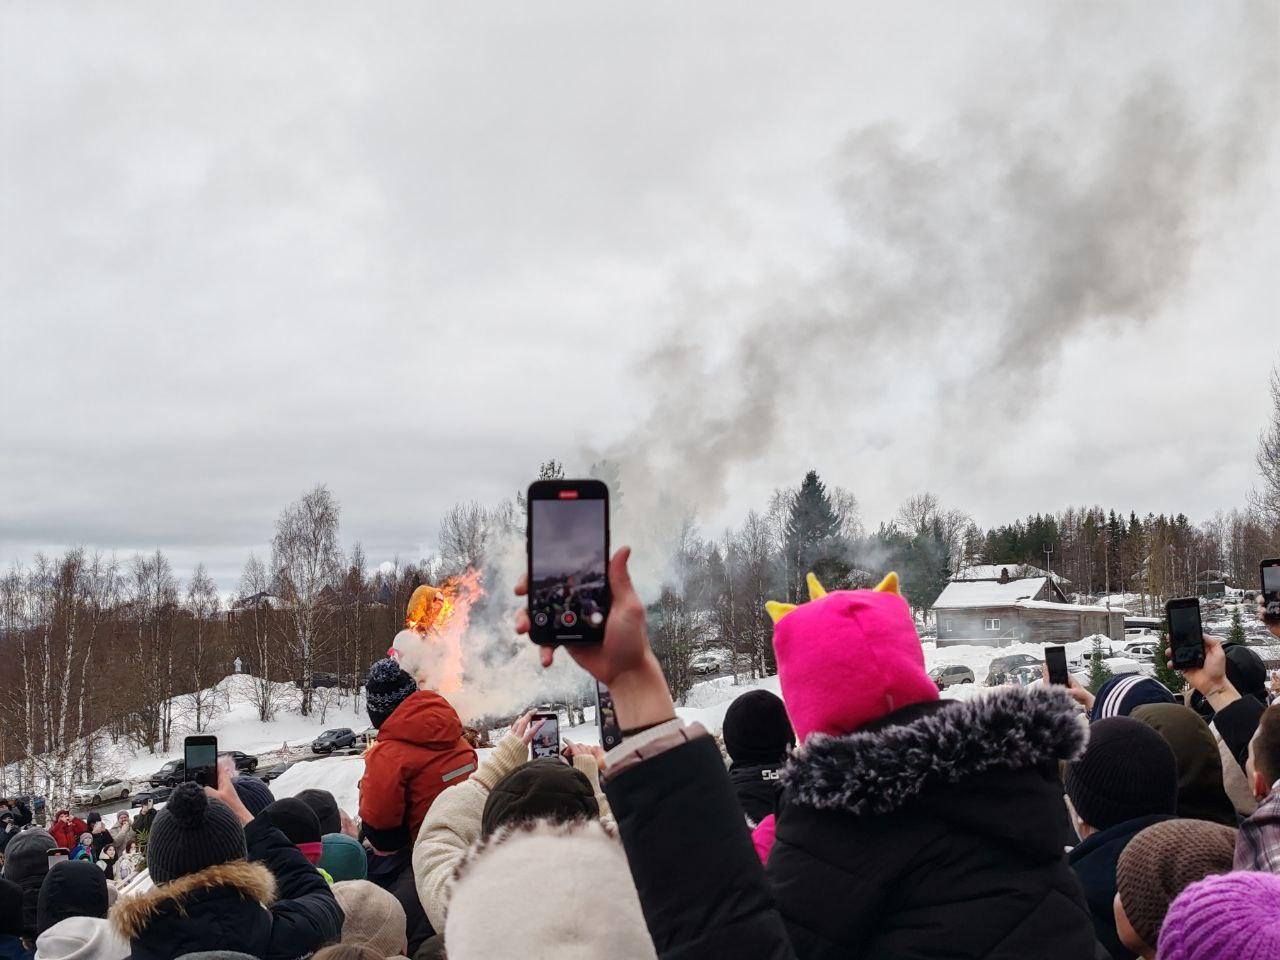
(83, 850)
(145, 817)
(122, 833)
(757, 736)
(66, 829)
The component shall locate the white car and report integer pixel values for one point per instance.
(1144, 652)
(704, 663)
(101, 791)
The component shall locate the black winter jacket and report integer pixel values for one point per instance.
(1094, 862)
(394, 873)
(935, 832)
(233, 906)
(758, 789)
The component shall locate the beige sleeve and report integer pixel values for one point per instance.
(585, 764)
(452, 825)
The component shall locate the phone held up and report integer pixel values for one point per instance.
(57, 855)
(607, 718)
(1270, 573)
(1186, 633)
(1055, 658)
(200, 760)
(546, 742)
(568, 552)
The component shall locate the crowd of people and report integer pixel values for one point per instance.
(856, 815)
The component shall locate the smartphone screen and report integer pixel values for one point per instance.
(57, 855)
(1271, 590)
(1186, 635)
(607, 718)
(568, 537)
(546, 742)
(1055, 658)
(200, 760)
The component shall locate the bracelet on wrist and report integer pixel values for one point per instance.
(648, 726)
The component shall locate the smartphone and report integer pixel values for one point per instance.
(1270, 572)
(57, 855)
(1055, 658)
(200, 760)
(546, 742)
(607, 718)
(568, 547)
(1186, 633)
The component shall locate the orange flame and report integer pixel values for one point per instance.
(441, 617)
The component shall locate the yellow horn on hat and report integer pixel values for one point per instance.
(778, 610)
(889, 584)
(816, 590)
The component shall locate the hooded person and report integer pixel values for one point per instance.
(1157, 865)
(71, 889)
(374, 918)
(757, 736)
(324, 805)
(1121, 695)
(81, 938)
(1230, 916)
(1126, 781)
(11, 945)
(903, 818)
(66, 829)
(1201, 795)
(225, 880)
(506, 788)
(566, 894)
(419, 752)
(343, 858)
(298, 822)
(26, 862)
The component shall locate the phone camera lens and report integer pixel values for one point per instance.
(540, 618)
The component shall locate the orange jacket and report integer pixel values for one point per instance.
(419, 752)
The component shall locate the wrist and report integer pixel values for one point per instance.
(1221, 694)
(640, 695)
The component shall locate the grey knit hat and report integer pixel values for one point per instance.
(191, 833)
(387, 687)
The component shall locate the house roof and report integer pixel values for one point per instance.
(993, 571)
(987, 593)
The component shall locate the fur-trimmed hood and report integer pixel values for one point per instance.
(877, 771)
(253, 881)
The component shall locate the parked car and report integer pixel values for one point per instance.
(245, 762)
(369, 735)
(1143, 652)
(951, 675)
(269, 773)
(169, 775)
(704, 663)
(154, 794)
(99, 791)
(1140, 633)
(331, 740)
(1002, 667)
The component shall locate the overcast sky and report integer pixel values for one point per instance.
(1020, 254)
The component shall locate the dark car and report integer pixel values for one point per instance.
(337, 739)
(175, 771)
(1002, 667)
(245, 762)
(269, 773)
(154, 794)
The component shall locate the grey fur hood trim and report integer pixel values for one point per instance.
(866, 773)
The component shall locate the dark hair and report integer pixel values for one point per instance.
(1266, 746)
(347, 951)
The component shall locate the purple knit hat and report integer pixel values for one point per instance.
(1232, 916)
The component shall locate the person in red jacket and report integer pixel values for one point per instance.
(66, 829)
(419, 752)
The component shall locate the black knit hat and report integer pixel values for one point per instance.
(294, 819)
(757, 729)
(387, 687)
(325, 807)
(71, 889)
(542, 789)
(192, 832)
(253, 793)
(10, 909)
(1127, 771)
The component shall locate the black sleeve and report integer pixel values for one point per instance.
(306, 916)
(1236, 723)
(22, 815)
(701, 885)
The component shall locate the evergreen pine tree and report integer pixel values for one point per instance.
(1170, 677)
(1099, 672)
(1236, 634)
(812, 540)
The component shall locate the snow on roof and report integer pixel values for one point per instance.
(987, 593)
(994, 571)
(1071, 607)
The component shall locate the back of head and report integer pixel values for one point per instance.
(1162, 861)
(253, 793)
(566, 894)
(1265, 748)
(27, 855)
(374, 917)
(82, 938)
(1234, 916)
(324, 806)
(757, 729)
(10, 909)
(848, 658)
(70, 889)
(387, 687)
(294, 819)
(1121, 695)
(541, 789)
(1127, 771)
(343, 857)
(1201, 795)
(192, 833)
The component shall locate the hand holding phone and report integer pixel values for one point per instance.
(546, 741)
(568, 554)
(200, 760)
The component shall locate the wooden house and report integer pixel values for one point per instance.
(998, 613)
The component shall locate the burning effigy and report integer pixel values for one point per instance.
(429, 648)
